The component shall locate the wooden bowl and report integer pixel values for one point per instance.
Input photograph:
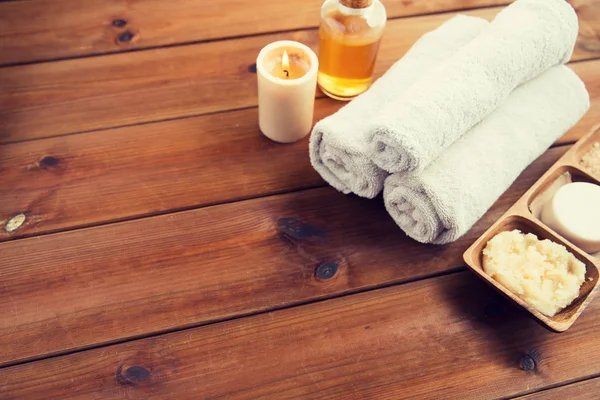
(520, 217)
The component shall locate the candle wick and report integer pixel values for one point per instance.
(287, 73)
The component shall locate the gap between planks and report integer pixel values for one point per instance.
(558, 391)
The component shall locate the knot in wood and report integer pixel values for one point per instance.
(125, 36)
(527, 363)
(48, 162)
(119, 23)
(325, 271)
(15, 223)
(295, 229)
(132, 375)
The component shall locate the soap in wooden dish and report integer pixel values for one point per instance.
(578, 220)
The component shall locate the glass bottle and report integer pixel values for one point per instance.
(349, 38)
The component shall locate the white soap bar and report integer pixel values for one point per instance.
(574, 212)
(537, 205)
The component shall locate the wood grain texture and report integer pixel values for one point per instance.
(589, 73)
(97, 177)
(48, 29)
(193, 267)
(444, 338)
(588, 12)
(111, 175)
(51, 99)
(585, 390)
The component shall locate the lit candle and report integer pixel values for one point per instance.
(287, 80)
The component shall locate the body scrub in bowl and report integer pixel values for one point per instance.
(542, 273)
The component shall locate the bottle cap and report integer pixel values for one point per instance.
(356, 3)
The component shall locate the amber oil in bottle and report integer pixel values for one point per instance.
(349, 38)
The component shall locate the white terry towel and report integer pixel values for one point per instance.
(338, 144)
(525, 39)
(441, 203)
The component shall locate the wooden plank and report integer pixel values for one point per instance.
(585, 390)
(86, 179)
(97, 177)
(588, 71)
(48, 29)
(193, 267)
(443, 338)
(58, 98)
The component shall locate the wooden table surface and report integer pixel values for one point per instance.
(170, 251)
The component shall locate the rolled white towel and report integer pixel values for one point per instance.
(525, 39)
(441, 203)
(338, 144)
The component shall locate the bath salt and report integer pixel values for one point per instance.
(542, 273)
(591, 160)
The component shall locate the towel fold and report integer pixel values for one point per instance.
(525, 39)
(338, 144)
(441, 203)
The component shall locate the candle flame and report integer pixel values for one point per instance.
(285, 60)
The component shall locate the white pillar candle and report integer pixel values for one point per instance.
(287, 81)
